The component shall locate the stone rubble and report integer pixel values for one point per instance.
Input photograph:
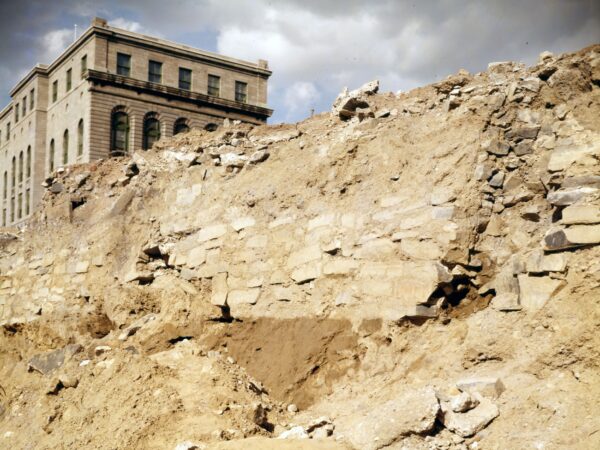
(401, 217)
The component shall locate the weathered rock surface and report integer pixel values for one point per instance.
(412, 413)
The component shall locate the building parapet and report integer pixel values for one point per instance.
(101, 78)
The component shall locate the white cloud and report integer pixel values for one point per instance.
(132, 25)
(300, 98)
(55, 41)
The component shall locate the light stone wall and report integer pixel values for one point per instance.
(257, 92)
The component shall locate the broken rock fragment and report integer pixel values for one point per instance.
(347, 103)
(470, 422)
(414, 412)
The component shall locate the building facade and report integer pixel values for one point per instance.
(110, 92)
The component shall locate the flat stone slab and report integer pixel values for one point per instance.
(46, 363)
(413, 412)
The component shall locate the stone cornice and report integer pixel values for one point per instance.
(103, 78)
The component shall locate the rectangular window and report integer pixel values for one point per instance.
(8, 131)
(154, 71)
(4, 217)
(24, 107)
(27, 205)
(241, 92)
(31, 99)
(54, 91)
(214, 85)
(123, 64)
(69, 79)
(83, 65)
(185, 79)
(16, 112)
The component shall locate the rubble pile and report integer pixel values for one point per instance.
(413, 270)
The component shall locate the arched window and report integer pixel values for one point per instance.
(13, 176)
(5, 185)
(51, 156)
(211, 127)
(151, 130)
(29, 162)
(21, 167)
(80, 138)
(65, 158)
(181, 126)
(119, 132)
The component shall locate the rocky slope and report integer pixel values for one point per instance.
(410, 271)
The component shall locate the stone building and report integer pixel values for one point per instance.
(110, 92)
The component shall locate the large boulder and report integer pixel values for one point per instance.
(347, 103)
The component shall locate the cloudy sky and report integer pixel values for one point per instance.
(315, 47)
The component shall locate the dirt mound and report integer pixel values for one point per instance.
(408, 271)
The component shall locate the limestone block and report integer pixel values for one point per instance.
(563, 157)
(470, 422)
(219, 289)
(304, 255)
(339, 266)
(574, 236)
(255, 282)
(196, 257)
(506, 301)
(243, 296)
(584, 214)
(350, 221)
(283, 294)
(278, 277)
(496, 147)
(280, 221)
(441, 196)
(483, 171)
(520, 132)
(322, 220)
(491, 387)
(122, 203)
(257, 241)
(497, 180)
(211, 232)
(138, 275)
(417, 281)
(376, 249)
(442, 212)
(413, 412)
(399, 235)
(210, 270)
(536, 291)
(583, 234)
(538, 262)
(46, 363)
(376, 288)
(243, 222)
(306, 272)
(420, 249)
(332, 246)
(386, 202)
(82, 266)
(566, 197)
